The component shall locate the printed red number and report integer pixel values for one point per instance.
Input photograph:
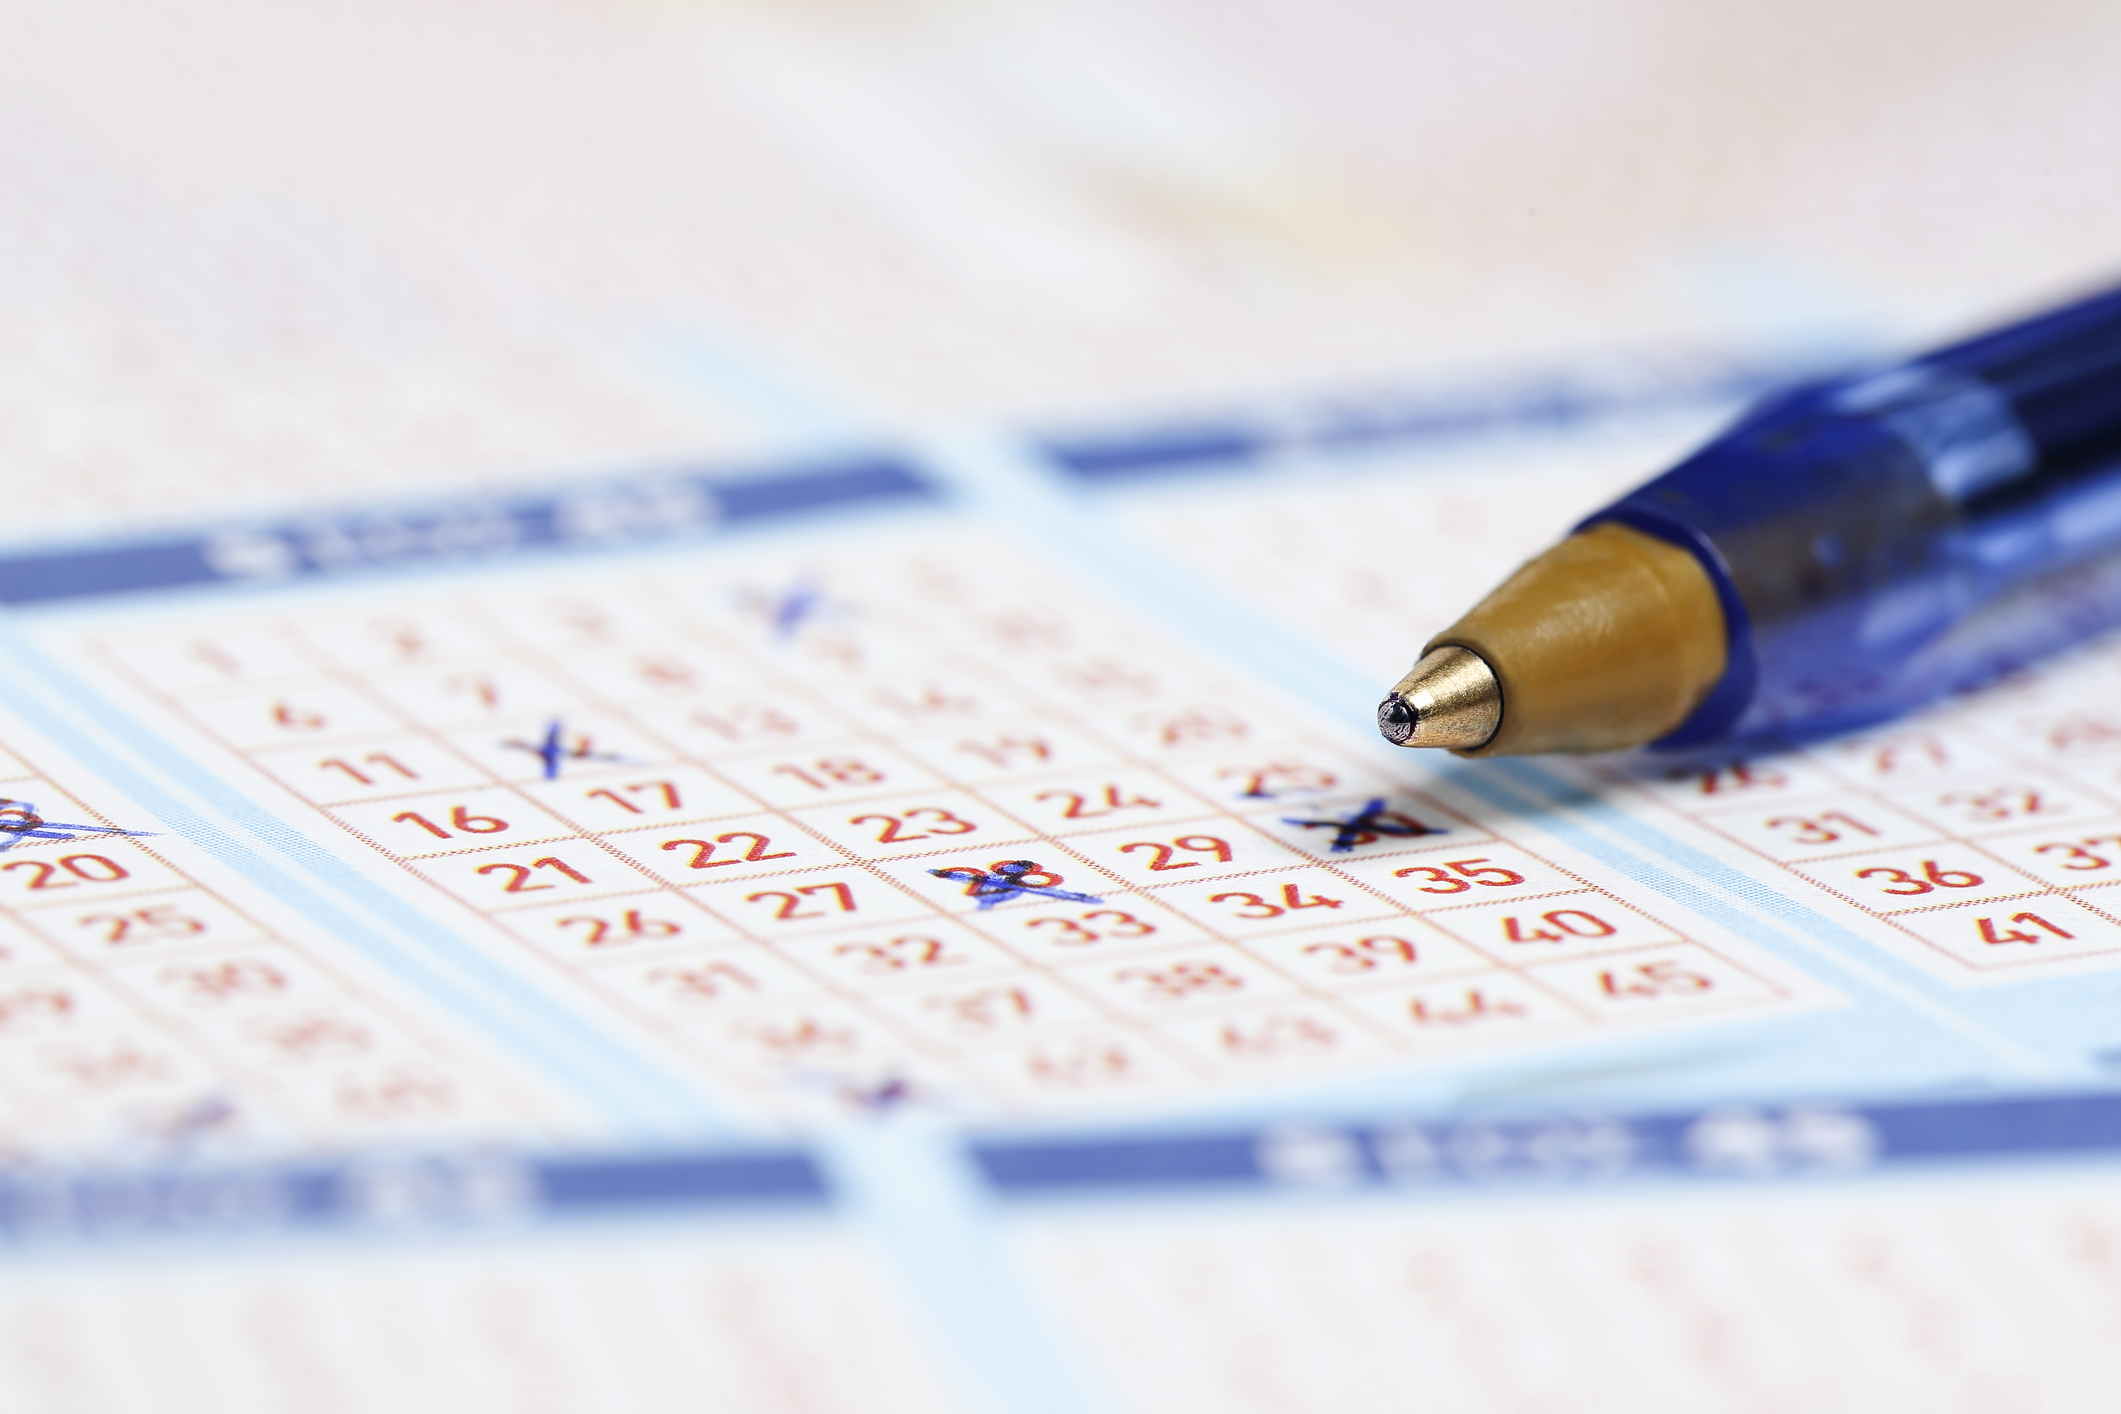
(1364, 954)
(1653, 979)
(702, 849)
(668, 791)
(301, 719)
(836, 770)
(748, 719)
(1562, 924)
(1275, 780)
(1002, 750)
(1180, 980)
(1073, 934)
(754, 852)
(1986, 927)
(1081, 1066)
(1736, 776)
(1194, 844)
(1253, 906)
(1998, 804)
(217, 983)
(1477, 1008)
(1079, 806)
(899, 954)
(374, 759)
(1894, 755)
(705, 982)
(1282, 1035)
(1907, 885)
(631, 926)
(938, 822)
(479, 686)
(461, 817)
(518, 882)
(1291, 898)
(408, 818)
(791, 904)
(1457, 875)
(86, 868)
(1818, 829)
(983, 1010)
(2080, 854)
(159, 919)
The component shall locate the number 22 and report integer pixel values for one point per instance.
(701, 849)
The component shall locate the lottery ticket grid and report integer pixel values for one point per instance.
(719, 803)
(1984, 832)
(771, 1321)
(143, 1008)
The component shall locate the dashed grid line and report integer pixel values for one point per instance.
(1060, 741)
(143, 1009)
(1985, 833)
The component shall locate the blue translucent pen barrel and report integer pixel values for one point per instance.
(1880, 540)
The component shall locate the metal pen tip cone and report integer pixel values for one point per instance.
(1396, 720)
(1450, 699)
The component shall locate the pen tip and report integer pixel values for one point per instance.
(1449, 699)
(1396, 720)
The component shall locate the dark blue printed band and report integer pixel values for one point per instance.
(1766, 1142)
(361, 1196)
(1551, 402)
(595, 515)
(644, 509)
(393, 1193)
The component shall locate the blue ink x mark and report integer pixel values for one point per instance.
(792, 608)
(1002, 884)
(29, 825)
(1368, 825)
(554, 749)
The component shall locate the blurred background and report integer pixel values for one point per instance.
(259, 257)
(267, 252)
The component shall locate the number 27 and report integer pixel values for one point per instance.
(791, 904)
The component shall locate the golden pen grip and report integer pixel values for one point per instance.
(1608, 640)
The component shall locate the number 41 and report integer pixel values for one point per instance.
(1987, 928)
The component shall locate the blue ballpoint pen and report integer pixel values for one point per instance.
(1848, 550)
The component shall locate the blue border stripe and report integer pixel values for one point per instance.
(1540, 403)
(1766, 1142)
(431, 1193)
(543, 1036)
(1757, 911)
(579, 1186)
(596, 515)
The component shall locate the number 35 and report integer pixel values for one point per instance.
(1455, 876)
